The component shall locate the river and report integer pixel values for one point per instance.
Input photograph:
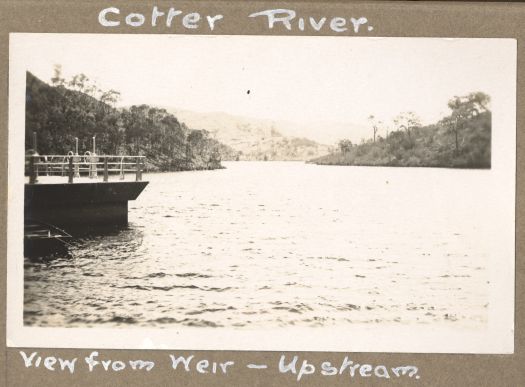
(273, 244)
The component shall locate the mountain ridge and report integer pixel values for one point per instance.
(258, 138)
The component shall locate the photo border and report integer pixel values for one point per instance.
(391, 18)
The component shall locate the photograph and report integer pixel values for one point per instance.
(261, 192)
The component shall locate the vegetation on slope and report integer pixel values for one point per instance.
(77, 108)
(460, 140)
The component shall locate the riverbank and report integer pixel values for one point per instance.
(194, 164)
(340, 161)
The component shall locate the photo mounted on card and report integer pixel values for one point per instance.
(307, 193)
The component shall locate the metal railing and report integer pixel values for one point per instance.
(89, 165)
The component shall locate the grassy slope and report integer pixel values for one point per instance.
(430, 146)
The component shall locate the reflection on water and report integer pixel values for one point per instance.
(278, 244)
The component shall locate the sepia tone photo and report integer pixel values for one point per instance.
(235, 192)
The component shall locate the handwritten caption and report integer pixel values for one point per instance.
(287, 18)
(294, 366)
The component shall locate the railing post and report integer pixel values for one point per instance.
(106, 169)
(76, 159)
(33, 175)
(70, 171)
(47, 166)
(122, 168)
(139, 170)
(93, 159)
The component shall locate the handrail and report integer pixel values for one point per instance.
(101, 156)
(72, 165)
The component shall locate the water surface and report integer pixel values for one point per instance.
(272, 244)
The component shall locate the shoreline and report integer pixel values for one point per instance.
(398, 166)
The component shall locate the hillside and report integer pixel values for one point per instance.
(460, 140)
(254, 139)
(60, 113)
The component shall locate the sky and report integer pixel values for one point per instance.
(297, 79)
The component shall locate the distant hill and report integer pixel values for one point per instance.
(254, 139)
(58, 114)
(326, 131)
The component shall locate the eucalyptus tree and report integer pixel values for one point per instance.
(376, 124)
(407, 122)
(464, 108)
(345, 146)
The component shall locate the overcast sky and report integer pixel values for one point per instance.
(300, 79)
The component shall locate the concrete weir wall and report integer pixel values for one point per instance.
(81, 204)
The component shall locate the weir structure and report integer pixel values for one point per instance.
(74, 190)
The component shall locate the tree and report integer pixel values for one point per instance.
(57, 79)
(109, 99)
(375, 125)
(387, 129)
(464, 108)
(345, 146)
(79, 82)
(407, 121)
